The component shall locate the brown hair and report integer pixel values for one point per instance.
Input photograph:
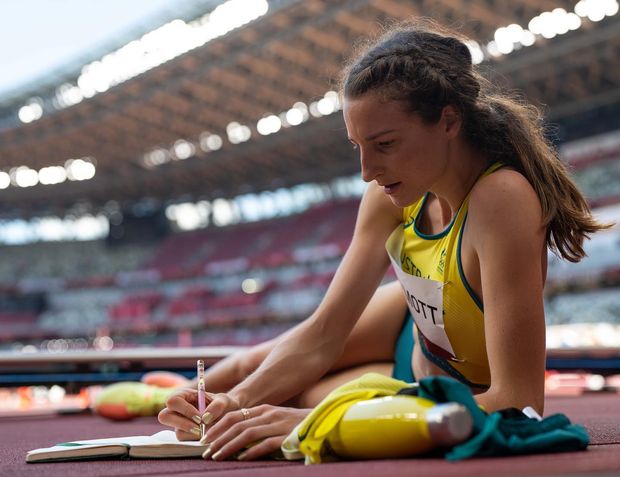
(427, 67)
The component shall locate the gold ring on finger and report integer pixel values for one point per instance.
(245, 413)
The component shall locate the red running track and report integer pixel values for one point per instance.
(599, 413)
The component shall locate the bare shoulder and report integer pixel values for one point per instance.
(505, 217)
(506, 199)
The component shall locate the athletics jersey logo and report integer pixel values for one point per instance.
(442, 262)
(424, 297)
(409, 221)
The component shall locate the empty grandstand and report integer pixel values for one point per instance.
(206, 196)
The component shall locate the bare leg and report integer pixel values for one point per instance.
(315, 393)
(373, 339)
(369, 348)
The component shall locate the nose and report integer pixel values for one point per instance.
(370, 168)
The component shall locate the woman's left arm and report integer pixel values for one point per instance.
(506, 219)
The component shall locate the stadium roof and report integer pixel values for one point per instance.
(67, 36)
(293, 53)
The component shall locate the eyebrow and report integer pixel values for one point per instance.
(380, 133)
(376, 135)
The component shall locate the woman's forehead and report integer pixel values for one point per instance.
(368, 104)
(372, 110)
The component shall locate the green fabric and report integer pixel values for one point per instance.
(404, 351)
(500, 433)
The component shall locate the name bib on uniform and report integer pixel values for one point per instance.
(424, 296)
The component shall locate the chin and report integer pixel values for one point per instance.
(399, 202)
(403, 202)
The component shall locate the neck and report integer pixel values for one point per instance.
(460, 174)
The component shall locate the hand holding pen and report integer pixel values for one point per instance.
(190, 411)
(224, 426)
(185, 408)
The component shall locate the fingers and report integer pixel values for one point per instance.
(186, 428)
(187, 436)
(263, 432)
(256, 431)
(263, 448)
(220, 404)
(183, 401)
(233, 423)
(246, 435)
(181, 414)
(264, 413)
(221, 437)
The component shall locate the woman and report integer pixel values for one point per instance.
(466, 195)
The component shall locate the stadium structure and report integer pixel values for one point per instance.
(189, 188)
(230, 114)
(190, 125)
(226, 120)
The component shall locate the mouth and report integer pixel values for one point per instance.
(390, 189)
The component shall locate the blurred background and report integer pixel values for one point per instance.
(176, 174)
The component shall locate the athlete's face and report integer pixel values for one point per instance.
(397, 149)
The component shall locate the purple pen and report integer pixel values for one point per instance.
(200, 371)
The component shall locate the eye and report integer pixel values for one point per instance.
(386, 143)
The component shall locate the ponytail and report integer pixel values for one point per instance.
(427, 67)
(508, 129)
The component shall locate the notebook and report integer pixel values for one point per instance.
(163, 445)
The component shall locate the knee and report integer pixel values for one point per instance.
(245, 363)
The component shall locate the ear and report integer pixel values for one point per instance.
(451, 119)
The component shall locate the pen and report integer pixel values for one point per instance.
(200, 371)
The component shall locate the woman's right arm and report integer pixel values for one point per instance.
(312, 348)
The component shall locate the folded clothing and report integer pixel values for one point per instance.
(505, 432)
